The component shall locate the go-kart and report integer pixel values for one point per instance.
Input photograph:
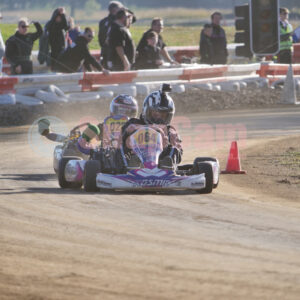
(146, 144)
(70, 162)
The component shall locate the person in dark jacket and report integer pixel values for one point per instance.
(19, 47)
(149, 56)
(104, 29)
(206, 48)
(121, 45)
(71, 59)
(157, 26)
(218, 40)
(57, 27)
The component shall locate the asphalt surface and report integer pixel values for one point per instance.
(231, 244)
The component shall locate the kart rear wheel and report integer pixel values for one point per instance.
(203, 159)
(92, 167)
(61, 174)
(206, 168)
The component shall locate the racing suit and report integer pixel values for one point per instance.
(171, 140)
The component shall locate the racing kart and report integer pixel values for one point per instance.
(69, 162)
(146, 144)
(66, 152)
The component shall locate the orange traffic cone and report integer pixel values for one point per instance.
(233, 163)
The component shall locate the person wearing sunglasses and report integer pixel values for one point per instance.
(19, 47)
(78, 54)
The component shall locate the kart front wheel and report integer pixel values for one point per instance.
(203, 159)
(92, 167)
(63, 183)
(206, 168)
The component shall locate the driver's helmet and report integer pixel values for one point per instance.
(124, 105)
(158, 108)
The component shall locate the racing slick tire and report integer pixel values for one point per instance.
(206, 168)
(61, 174)
(92, 167)
(203, 159)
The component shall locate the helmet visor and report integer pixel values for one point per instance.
(156, 116)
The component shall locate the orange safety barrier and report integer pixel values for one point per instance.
(210, 72)
(276, 69)
(7, 84)
(90, 79)
(187, 53)
(296, 55)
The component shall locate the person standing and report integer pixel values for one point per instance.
(149, 56)
(70, 61)
(104, 29)
(19, 47)
(157, 25)
(286, 40)
(218, 40)
(121, 46)
(206, 49)
(57, 27)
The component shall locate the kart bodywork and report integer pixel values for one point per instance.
(146, 144)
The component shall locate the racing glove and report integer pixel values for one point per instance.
(90, 132)
(44, 127)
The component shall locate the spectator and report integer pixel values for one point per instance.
(71, 59)
(2, 49)
(74, 31)
(104, 29)
(157, 26)
(121, 45)
(149, 56)
(286, 41)
(218, 40)
(57, 27)
(206, 49)
(19, 47)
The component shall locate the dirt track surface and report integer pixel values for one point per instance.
(63, 244)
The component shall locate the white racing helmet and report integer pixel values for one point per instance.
(124, 105)
(158, 108)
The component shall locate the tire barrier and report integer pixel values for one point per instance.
(50, 97)
(26, 100)
(8, 99)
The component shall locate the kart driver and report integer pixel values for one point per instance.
(158, 109)
(122, 108)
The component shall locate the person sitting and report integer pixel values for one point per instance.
(149, 56)
(158, 110)
(71, 59)
(122, 108)
(19, 47)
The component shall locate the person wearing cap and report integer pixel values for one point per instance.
(19, 47)
(121, 45)
(104, 29)
(70, 61)
(2, 49)
(157, 25)
(286, 40)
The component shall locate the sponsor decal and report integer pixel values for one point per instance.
(104, 183)
(197, 183)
